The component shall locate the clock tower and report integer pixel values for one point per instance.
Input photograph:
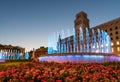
(82, 22)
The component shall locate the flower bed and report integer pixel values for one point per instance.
(60, 72)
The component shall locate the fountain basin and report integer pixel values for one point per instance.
(80, 58)
(2, 60)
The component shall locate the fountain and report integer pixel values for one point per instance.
(88, 47)
(26, 55)
(97, 43)
(80, 58)
(12, 55)
(74, 41)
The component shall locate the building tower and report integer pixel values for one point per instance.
(83, 22)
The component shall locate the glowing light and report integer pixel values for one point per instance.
(112, 49)
(80, 58)
(93, 46)
(112, 44)
(118, 48)
(6, 52)
(97, 51)
(106, 44)
(117, 42)
(102, 45)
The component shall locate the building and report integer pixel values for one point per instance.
(112, 28)
(40, 51)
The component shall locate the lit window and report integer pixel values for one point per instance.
(112, 44)
(112, 50)
(97, 51)
(118, 49)
(117, 42)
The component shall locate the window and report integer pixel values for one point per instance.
(110, 29)
(112, 44)
(117, 42)
(105, 30)
(118, 49)
(111, 38)
(116, 27)
(116, 32)
(110, 34)
(112, 49)
(117, 37)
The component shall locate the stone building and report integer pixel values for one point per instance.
(82, 22)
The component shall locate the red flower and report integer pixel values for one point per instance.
(2, 73)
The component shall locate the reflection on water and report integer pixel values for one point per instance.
(80, 58)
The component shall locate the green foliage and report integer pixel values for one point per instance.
(23, 60)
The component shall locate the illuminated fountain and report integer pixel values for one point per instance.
(80, 58)
(26, 55)
(91, 46)
(96, 43)
(12, 55)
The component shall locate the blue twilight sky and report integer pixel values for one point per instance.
(29, 23)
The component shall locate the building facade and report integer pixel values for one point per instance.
(112, 28)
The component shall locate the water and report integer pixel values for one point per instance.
(87, 41)
(81, 58)
(98, 42)
(26, 55)
(50, 48)
(12, 54)
(2, 60)
(84, 41)
(81, 40)
(74, 41)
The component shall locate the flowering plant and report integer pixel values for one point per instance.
(60, 72)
